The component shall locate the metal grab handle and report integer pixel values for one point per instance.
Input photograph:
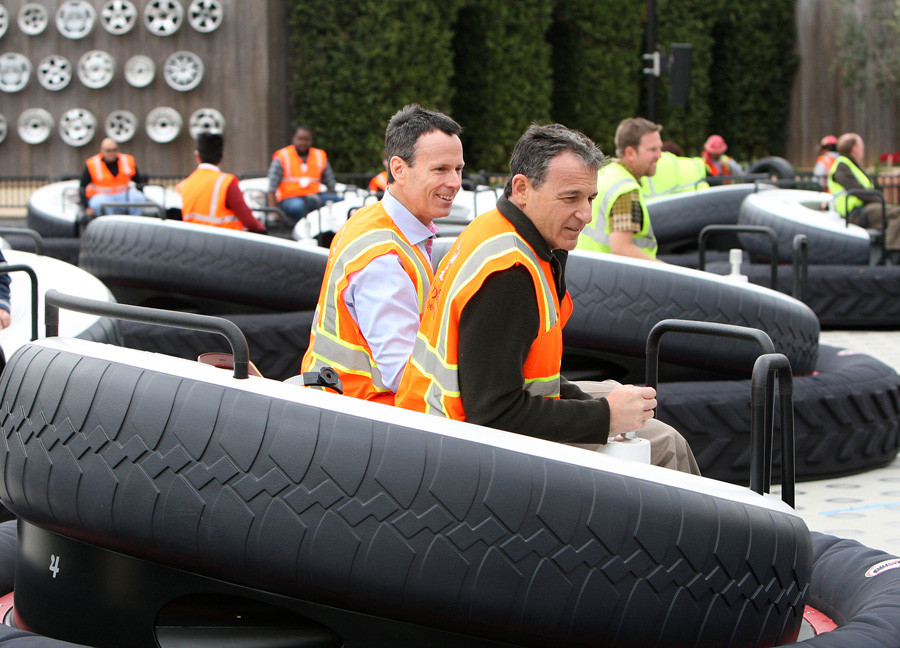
(700, 328)
(24, 231)
(801, 267)
(750, 229)
(762, 423)
(6, 268)
(131, 205)
(54, 300)
(271, 210)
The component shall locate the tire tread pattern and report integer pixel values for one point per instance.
(385, 519)
(148, 253)
(616, 305)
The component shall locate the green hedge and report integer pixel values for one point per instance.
(498, 65)
(597, 49)
(356, 62)
(503, 76)
(752, 71)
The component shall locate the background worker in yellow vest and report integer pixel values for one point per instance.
(210, 196)
(300, 177)
(847, 173)
(111, 176)
(675, 173)
(379, 265)
(489, 348)
(620, 223)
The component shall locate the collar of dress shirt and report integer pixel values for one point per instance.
(207, 165)
(413, 229)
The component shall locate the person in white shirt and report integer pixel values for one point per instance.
(379, 267)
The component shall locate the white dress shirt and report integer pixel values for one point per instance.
(383, 301)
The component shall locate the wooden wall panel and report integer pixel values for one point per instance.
(244, 72)
(822, 105)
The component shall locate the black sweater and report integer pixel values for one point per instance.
(496, 330)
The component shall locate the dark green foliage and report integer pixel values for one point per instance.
(498, 65)
(356, 62)
(597, 77)
(752, 73)
(687, 21)
(503, 76)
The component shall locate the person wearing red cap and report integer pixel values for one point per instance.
(717, 163)
(827, 155)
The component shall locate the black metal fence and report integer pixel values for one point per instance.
(15, 191)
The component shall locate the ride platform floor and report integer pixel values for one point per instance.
(864, 507)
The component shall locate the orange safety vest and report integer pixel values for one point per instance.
(379, 182)
(712, 169)
(489, 244)
(203, 199)
(102, 181)
(300, 178)
(335, 340)
(826, 161)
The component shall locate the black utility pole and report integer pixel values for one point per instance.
(652, 56)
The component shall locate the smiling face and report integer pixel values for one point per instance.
(641, 160)
(427, 186)
(561, 207)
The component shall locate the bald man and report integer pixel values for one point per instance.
(108, 177)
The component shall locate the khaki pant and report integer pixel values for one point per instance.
(873, 221)
(667, 447)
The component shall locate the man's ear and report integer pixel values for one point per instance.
(398, 167)
(520, 188)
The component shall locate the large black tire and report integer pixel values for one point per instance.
(841, 296)
(846, 418)
(321, 498)
(678, 219)
(277, 341)
(859, 589)
(132, 252)
(774, 166)
(617, 302)
(791, 212)
(47, 212)
(64, 249)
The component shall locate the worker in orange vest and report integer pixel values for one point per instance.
(379, 182)
(210, 196)
(110, 176)
(717, 163)
(828, 153)
(379, 265)
(300, 177)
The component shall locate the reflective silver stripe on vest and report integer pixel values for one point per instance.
(286, 166)
(327, 351)
(546, 387)
(597, 228)
(648, 241)
(213, 200)
(211, 220)
(327, 348)
(428, 360)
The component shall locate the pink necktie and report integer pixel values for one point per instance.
(430, 240)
